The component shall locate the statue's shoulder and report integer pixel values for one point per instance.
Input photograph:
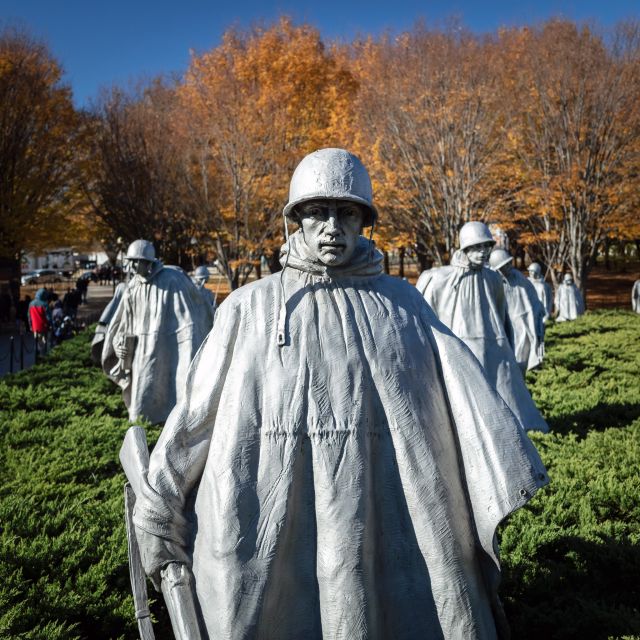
(173, 274)
(254, 292)
(395, 288)
(492, 276)
(520, 280)
(436, 274)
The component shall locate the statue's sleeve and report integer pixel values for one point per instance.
(501, 305)
(500, 465)
(179, 457)
(114, 329)
(424, 280)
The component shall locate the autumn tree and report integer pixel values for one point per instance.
(575, 139)
(427, 110)
(37, 131)
(135, 170)
(253, 107)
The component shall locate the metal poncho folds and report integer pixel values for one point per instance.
(471, 302)
(344, 485)
(164, 320)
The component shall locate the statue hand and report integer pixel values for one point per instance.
(156, 553)
(121, 351)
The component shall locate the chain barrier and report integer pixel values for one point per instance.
(18, 357)
(26, 349)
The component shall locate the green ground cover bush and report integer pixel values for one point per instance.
(571, 558)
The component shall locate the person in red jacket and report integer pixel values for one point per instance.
(40, 319)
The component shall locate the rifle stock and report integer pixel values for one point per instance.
(178, 587)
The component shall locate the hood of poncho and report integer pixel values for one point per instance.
(40, 299)
(365, 261)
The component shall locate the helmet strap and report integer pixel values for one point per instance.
(281, 337)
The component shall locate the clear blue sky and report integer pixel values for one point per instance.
(106, 42)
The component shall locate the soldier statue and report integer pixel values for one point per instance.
(155, 331)
(543, 290)
(526, 313)
(200, 279)
(568, 302)
(468, 297)
(339, 462)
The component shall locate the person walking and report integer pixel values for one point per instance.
(40, 320)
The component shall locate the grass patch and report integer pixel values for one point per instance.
(571, 558)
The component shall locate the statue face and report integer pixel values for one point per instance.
(330, 229)
(478, 254)
(140, 267)
(506, 268)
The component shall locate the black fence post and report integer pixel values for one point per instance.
(11, 347)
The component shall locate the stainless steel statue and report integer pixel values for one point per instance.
(543, 290)
(156, 330)
(526, 313)
(200, 279)
(568, 302)
(339, 463)
(105, 318)
(635, 296)
(468, 297)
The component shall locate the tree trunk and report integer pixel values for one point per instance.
(386, 262)
(424, 260)
(274, 261)
(401, 253)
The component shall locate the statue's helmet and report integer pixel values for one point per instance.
(535, 268)
(568, 278)
(475, 232)
(141, 250)
(498, 258)
(201, 272)
(331, 174)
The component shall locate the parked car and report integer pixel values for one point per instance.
(88, 275)
(41, 276)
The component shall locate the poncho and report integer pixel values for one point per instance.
(348, 484)
(569, 302)
(207, 295)
(471, 302)
(165, 321)
(526, 316)
(543, 291)
(109, 311)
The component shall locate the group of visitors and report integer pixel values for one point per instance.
(50, 319)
